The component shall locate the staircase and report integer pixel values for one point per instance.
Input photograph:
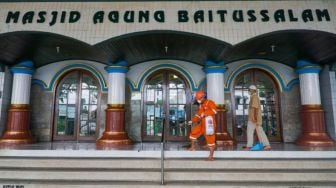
(25, 169)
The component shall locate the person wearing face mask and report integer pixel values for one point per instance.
(206, 123)
(255, 123)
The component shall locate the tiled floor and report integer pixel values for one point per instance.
(152, 146)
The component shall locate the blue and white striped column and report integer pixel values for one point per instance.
(312, 113)
(115, 133)
(17, 130)
(215, 92)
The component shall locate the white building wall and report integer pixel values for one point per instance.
(328, 93)
(331, 126)
(229, 30)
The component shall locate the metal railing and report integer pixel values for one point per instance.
(162, 155)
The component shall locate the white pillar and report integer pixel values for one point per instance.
(17, 130)
(309, 83)
(116, 85)
(22, 75)
(311, 112)
(21, 88)
(215, 89)
(115, 133)
(215, 92)
(215, 81)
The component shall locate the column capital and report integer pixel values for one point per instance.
(118, 67)
(213, 67)
(24, 67)
(304, 67)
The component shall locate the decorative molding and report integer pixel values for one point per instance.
(24, 67)
(115, 109)
(292, 83)
(213, 67)
(119, 106)
(304, 67)
(118, 67)
(142, 77)
(55, 79)
(277, 77)
(19, 108)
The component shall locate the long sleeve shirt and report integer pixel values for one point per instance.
(254, 114)
(207, 108)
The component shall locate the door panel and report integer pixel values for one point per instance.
(77, 98)
(66, 109)
(177, 109)
(88, 103)
(165, 108)
(154, 108)
(269, 99)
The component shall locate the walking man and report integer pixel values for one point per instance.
(255, 123)
(206, 123)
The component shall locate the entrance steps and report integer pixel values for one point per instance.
(71, 168)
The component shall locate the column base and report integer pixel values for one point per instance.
(315, 139)
(113, 140)
(313, 127)
(223, 138)
(17, 130)
(115, 135)
(13, 139)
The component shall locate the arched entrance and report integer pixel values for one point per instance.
(166, 107)
(269, 99)
(76, 105)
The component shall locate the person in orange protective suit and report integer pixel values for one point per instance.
(206, 123)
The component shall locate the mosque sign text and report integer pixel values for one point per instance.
(219, 16)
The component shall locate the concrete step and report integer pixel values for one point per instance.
(78, 163)
(251, 171)
(251, 177)
(79, 170)
(172, 185)
(251, 164)
(170, 164)
(177, 171)
(168, 154)
(182, 169)
(80, 175)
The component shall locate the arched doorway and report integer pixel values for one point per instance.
(76, 107)
(269, 99)
(166, 107)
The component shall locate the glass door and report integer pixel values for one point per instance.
(76, 108)
(269, 99)
(166, 108)
(154, 108)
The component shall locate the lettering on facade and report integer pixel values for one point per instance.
(41, 17)
(182, 16)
